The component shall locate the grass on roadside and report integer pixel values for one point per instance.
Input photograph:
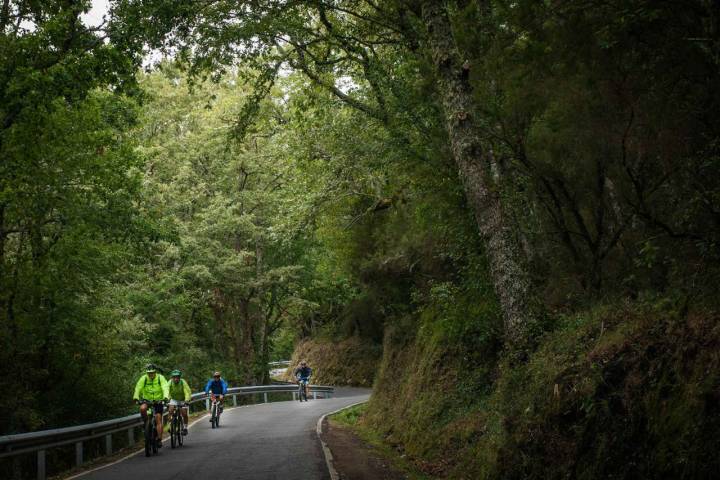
(351, 418)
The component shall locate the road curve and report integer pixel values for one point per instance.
(274, 441)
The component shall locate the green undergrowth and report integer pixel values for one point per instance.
(620, 391)
(352, 361)
(349, 418)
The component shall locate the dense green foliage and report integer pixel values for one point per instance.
(289, 176)
(624, 391)
(69, 180)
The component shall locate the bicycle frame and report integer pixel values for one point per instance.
(150, 427)
(302, 389)
(215, 410)
(177, 423)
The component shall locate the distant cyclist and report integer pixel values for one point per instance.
(152, 388)
(303, 374)
(217, 388)
(180, 394)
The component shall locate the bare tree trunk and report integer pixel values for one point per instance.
(507, 268)
(247, 342)
(2, 240)
(223, 329)
(265, 350)
(4, 15)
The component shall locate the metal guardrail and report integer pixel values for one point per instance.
(281, 363)
(41, 441)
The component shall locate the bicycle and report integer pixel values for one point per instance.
(302, 389)
(215, 411)
(150, 428)
(177, 424)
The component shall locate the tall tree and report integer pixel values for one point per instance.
(366, 41)
(474, 160)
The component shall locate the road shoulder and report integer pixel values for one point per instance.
(356, 458)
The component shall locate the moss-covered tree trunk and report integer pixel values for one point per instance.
(507, 267)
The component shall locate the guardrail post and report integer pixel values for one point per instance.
(108, 444)
(314, 395)
(207, 403)
(235, 400)
(79, 453)
(131, 436)
(41, 464)
(265, 397)
(294, 396)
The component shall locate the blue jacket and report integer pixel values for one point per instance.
(303, 372)
(218, 387)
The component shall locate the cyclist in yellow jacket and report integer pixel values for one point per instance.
(152, 388)
(179, 394)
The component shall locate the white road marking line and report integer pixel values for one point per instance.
(143, 449)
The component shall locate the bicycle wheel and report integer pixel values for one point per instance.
(173, 429)
(148, 437)
(213, 415)
(154, 436)
(181, 426)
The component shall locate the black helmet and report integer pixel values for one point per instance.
(150, 368)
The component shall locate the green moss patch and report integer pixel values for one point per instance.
(623, 391)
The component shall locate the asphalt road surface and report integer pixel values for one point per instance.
(273, 441)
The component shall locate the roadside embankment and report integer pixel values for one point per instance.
(359, 454)
(622, 391)
(352, 361)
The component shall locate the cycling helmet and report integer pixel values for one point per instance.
(216, 374)
(176, 373)
(150, 368)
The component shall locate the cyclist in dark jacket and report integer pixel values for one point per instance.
(303, 372)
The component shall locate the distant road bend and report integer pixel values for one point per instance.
(270, 441)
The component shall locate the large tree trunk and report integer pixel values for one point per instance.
(247, 342)
(265, 351)
(507, 267)
(2, 240)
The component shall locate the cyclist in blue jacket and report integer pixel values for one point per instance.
(217, 388)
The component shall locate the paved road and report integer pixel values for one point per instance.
(274, 441)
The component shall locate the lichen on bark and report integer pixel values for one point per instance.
(507, 266)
